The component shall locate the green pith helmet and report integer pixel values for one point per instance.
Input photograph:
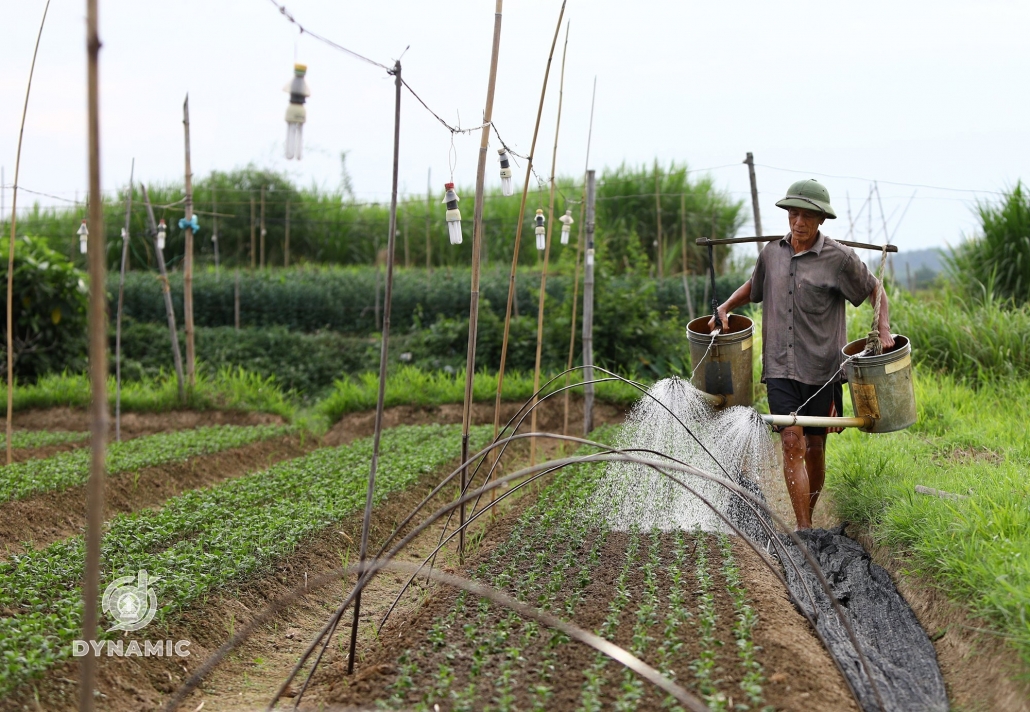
(808, 194)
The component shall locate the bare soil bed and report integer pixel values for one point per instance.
(136, 424)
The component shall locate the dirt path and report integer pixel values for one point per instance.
(52, 516)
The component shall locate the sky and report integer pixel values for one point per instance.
(927, 98)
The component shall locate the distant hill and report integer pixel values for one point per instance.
(914, 268)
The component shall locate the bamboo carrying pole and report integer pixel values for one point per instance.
(518, 237)
(750, 161)
(10, 247)
(704, 241)
(547, 255)
(477, 245)
(383, 351)
(167, 294)
(96, 247)
(588, 312)
(579, 252)
(187, 272)
(118, 318)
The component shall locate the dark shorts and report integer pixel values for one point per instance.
(786, 396)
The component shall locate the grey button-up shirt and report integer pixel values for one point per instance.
(802, 295)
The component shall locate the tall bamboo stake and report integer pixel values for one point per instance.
(10, 248)
(166, 292)
(429, 210)
(118, 318)
(659, 241)
(187, 272)
(383, 351)
(683, 242)
(588, 312)
(214, 227)
(750, 161)
(263, 231)
(579, 252)
(518, 236)
(477, 245)
(253, 235)
(97, 366)
(547, 255)
(286, 238)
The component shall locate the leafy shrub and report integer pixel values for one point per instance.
(999, 258)
(49, 310)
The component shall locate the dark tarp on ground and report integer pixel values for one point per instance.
(901, 656)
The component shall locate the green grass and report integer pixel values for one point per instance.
(43, 438)
(205, 539)
(228, 389)
(967, 441)
(23, 479)
(412, 386)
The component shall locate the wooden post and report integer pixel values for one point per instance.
(118, 318)
(658, 214)
(167, 293)
(477, 252)
(383, 351)
(97, 367)
(579, 252)
(286, 238)
(253, 234)
(14, 225)
(588, 312)
(518, 232)
(547, 255)
(214, 226)
(236, 301)
(263, 231)
(750, 161)
(683, 240)
(187, 276)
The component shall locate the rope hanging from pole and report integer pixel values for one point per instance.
(873, 344)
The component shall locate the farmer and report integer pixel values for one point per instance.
(802, 281)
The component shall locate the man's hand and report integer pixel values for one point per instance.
(724, 317)
(886, 338)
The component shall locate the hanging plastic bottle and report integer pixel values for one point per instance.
(541, 231)
(506, 187)
(162, 230)
(453, 214)
(83, 236)
(566, 225)
(296, 114)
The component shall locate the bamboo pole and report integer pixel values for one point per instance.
(588, 313)
(263, 232)
(167, 293)
(97, 366)
(659, 242)
(383, 351)
(253, 234)
(10, 247)
(286, 238)
(429, 210)
(750, 161)
(118, 318)
(579, 252)
(683, 241)
(518, 236)
(547, 255)
(187, 276)
(214, 227)
(477, 247)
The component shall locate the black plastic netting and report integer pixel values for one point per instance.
(900, 655)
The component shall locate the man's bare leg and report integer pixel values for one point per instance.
(796, 476)
(815, 466)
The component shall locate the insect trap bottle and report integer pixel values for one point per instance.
(296, 114)
(83, 234)
(566, 225)
(506, 187)
(540, 230)
(453, 214)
